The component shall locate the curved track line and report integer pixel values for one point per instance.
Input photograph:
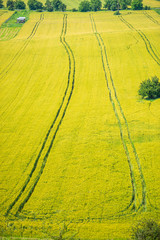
(64, 104)
(128, 132)
(21, 50)
(104, 55)
(151, 18)
(145, 39)
(134, 192)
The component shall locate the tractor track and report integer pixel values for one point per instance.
(151, 18)
(21, 50)
(114, 102)
(145, 40)
(57, 121)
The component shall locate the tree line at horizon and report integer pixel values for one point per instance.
(84, 6)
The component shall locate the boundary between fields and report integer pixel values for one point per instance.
(71, 75)
(3, 13)
(133, 182)
(145, 40)
(21, 50)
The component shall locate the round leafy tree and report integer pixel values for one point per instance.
(146, 230)
(85, 6)
(96, 5)
(150, 88)
(137, 5)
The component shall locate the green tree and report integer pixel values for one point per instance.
(19, 4)
(56, 5)
(137, 5)
(123, 4)
(147, 7)
(116, 4)
(150, 88)
(62, 7)
(85, 6)
(108, 4)
(146, 230)
(39, 5)
(74, 10)
(10, 5)
(34, 5)
(128, 2)
(1, 4)
(48, 6)
(96, 5)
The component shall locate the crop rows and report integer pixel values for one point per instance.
(115, 101)
(147, 42)
(41, 160)
(21, 50)
(8, 33)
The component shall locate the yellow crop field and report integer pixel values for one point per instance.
(4, 15)
(79, 148)
(151, 3)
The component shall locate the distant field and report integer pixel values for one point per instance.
(152, 3)
(79, 149)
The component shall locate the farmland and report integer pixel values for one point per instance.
(79, 148)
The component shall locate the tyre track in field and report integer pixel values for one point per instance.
(151, 18)
(51, 132)
(106, 67)
(21, 50)
(145, 40)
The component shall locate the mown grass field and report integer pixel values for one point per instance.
(79, 148)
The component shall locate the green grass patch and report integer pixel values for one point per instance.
(12, 21)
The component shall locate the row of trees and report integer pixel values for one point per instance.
(95, 5)
(18, 4)
(1, 4)
(116, 4)
(54, 5)
(84, 6)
